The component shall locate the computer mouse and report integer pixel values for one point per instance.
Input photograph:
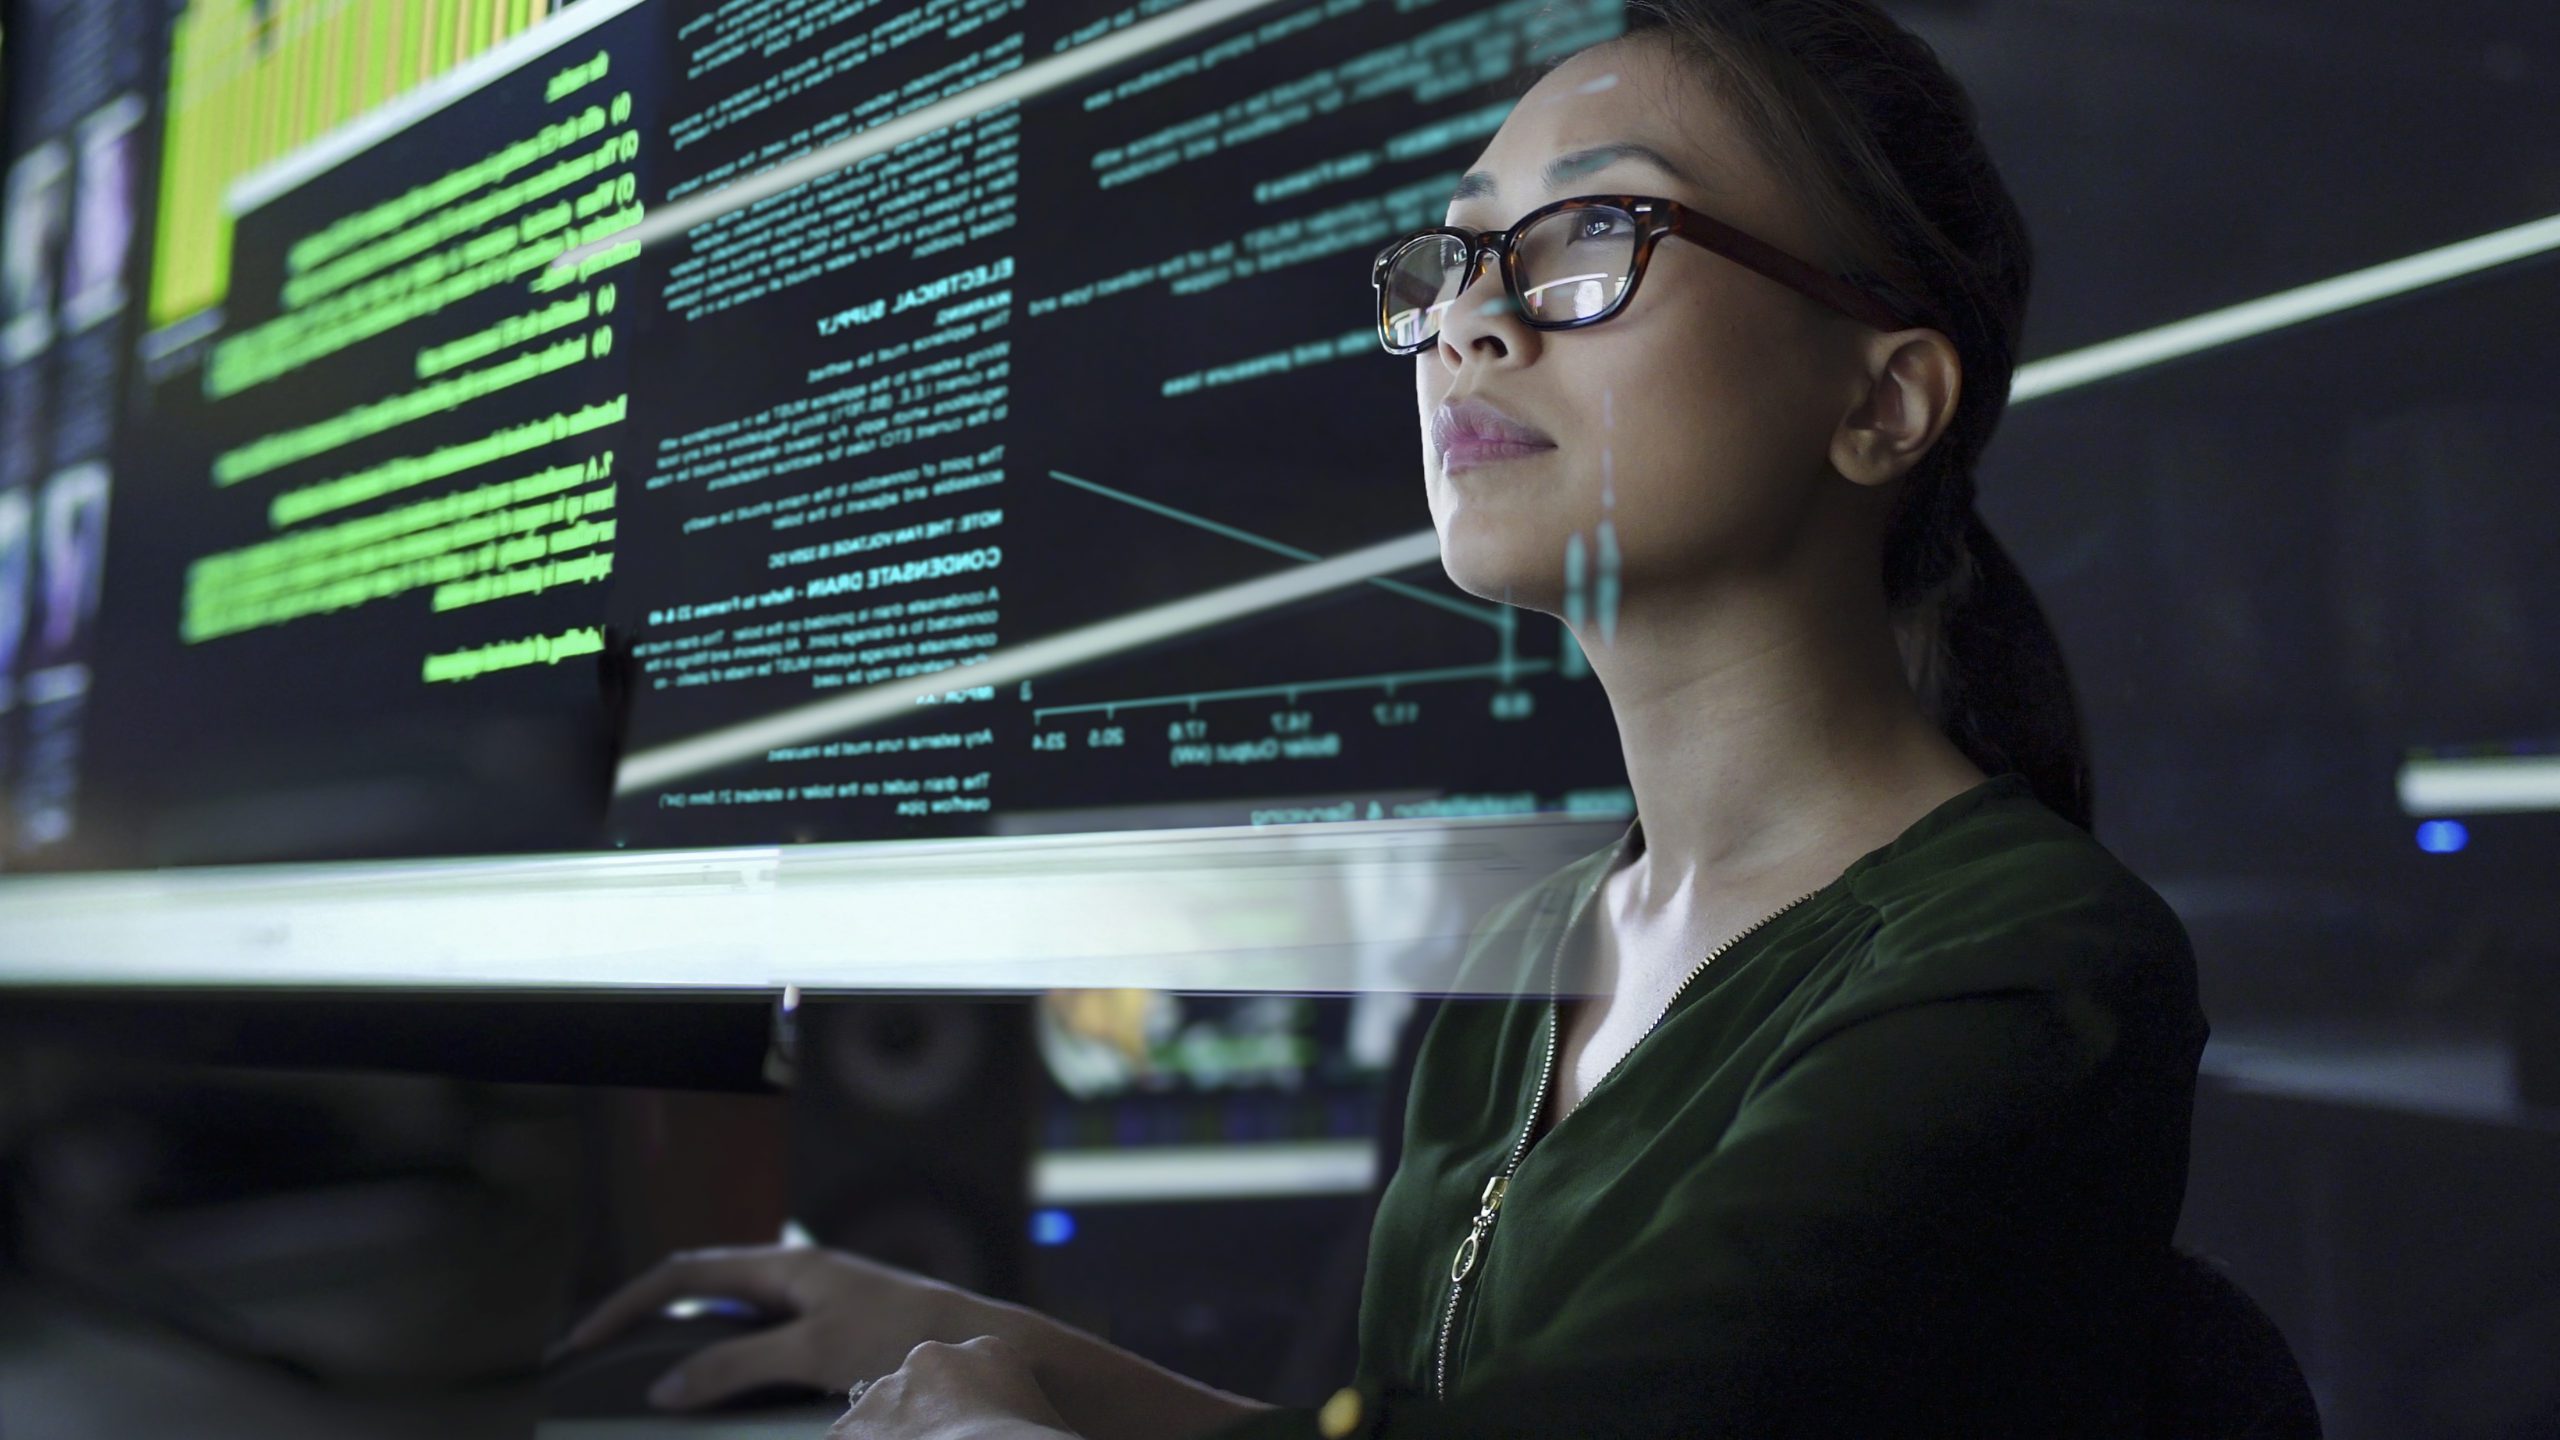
(613, 1376)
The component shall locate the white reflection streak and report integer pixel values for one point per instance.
(1034, 79)
(647, 769)
(2479, 785)
(2285, 307)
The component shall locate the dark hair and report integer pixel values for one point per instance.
(1896, 177)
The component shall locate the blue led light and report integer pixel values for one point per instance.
(2442, 837)
(1052, 1227)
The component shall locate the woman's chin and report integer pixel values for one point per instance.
(1502, 567)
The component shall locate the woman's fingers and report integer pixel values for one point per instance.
(975, 1387)
(759, 1276)
(708, 1376)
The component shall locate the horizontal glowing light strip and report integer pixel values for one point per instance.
(648, 769)
(2480, 785)
(1031, 80)
(2469, 1078)
(2287, 307)
(1341, 907)
(1202, 1172)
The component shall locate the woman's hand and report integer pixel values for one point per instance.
(851, 1319)
(855, 1319)
(982, 1389)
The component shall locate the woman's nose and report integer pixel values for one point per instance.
(1480, 313)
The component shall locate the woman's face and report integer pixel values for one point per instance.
(1695, 424)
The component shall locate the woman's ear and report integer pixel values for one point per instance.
(1909, 390)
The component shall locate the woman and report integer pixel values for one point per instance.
(1889, 1064)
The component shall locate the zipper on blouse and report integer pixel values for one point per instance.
(1473, 1245)
(1479, 1234)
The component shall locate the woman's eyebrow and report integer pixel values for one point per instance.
(1581, 162)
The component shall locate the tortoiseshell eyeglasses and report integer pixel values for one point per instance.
(1577, 262)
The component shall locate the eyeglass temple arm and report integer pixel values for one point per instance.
(1786, 269)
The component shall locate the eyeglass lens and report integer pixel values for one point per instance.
(1572, 265)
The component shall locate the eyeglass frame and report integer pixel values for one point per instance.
(1655, 217)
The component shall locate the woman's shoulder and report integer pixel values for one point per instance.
(2010, 896)
(1992, 892)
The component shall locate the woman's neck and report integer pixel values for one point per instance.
(1765, 747)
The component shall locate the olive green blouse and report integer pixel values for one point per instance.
(1902, 1161)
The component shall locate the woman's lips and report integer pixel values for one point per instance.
(1475, 431)
(1469, 450)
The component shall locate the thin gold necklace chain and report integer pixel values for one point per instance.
(1481, 1228)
